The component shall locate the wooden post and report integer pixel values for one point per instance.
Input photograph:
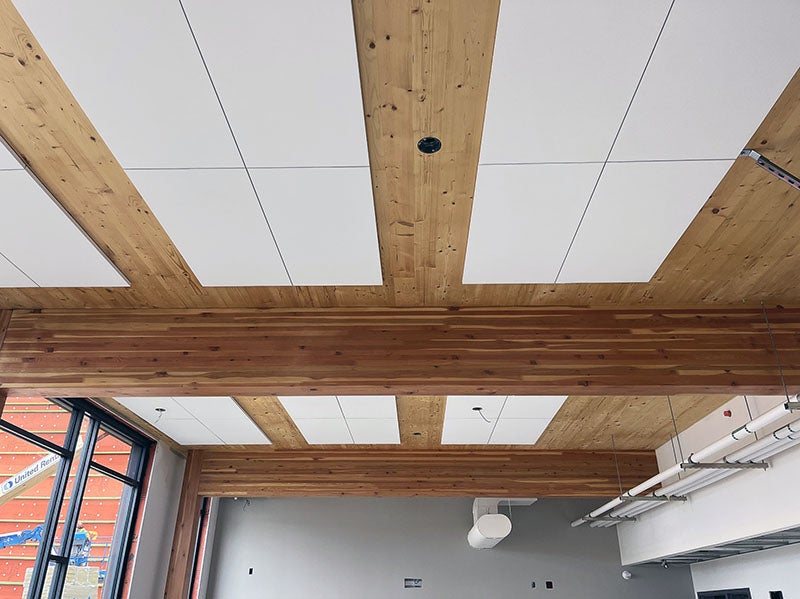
(183, 542)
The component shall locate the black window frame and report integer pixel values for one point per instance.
(133, 479)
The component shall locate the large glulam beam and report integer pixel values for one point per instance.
(398, 351)
(424, 473)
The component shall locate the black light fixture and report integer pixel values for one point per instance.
(429, 145)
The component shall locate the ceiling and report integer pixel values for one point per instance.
(200, 156)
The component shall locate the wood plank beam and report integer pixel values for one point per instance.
(404, 352)
(421, 419)
(179, 571)
(270, 416)
(636, 422)
(423, 473)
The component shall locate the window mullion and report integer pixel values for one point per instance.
(51, 519)
(73, 511)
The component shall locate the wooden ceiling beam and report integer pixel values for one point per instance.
(398, 351)
(422, 473)
(271, 417)
(421, 420)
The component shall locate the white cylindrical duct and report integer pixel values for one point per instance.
(488, 531)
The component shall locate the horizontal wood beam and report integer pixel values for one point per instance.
(426, 473)
(397, 351)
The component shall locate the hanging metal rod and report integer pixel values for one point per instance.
(609, 519)
(724, 465)
(652, 497)
(772, 168)
(792, 405)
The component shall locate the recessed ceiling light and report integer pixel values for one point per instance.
(429, 145)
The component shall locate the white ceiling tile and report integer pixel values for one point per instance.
(216, 222)
(292, 100)
(368, 406)
(460, 406)
(59, 254)
(532, 406)
(636, 217)
(312, 406)
(147, 91)
(466, 431)
(11, 276)
(718, 69)
(324, 223)
(562, 76)
(523, 219)
(321, 431)
(145, 407)
(518, 431)
(208, 409)
(238, 431)
(374, 431)
(188, 432)
(7, 160)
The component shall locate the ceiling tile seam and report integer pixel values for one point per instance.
(614, 141)
(203, 424)
(577, 162)
(12, 263)
(235, 141)
(239, 168)
(496, 420)
(347, 424)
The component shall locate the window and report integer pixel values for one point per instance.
(729, 594)
(70, 481)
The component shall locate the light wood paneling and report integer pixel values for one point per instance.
(423, 473)
(5, 319)
(421, 418)
(425, 71)
(179, 571)
(636, 422)
(738, 251)
(406, 352)
(270, 416)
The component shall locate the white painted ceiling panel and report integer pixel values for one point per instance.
(216, 222)
(718, 69)
(518, 431)
(292, 92)
(324, 223)
(59, 254)
(8, 161)
(460, 406)
(11, 276)
(238, 431)
(312, 406)
(207, 409)
(636, 217)
(188, 432)
(321, 431)
(562, 76)
(368, 406)
(145, 408)
(533, 406)
(135, 70)
(374, 431)
(466, 431)
(523, 219)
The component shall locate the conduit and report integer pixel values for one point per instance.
(768, 446)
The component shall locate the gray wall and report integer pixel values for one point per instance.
(158, 523)
(363, 548)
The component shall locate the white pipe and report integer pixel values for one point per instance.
(737, 435)
(778, 441)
